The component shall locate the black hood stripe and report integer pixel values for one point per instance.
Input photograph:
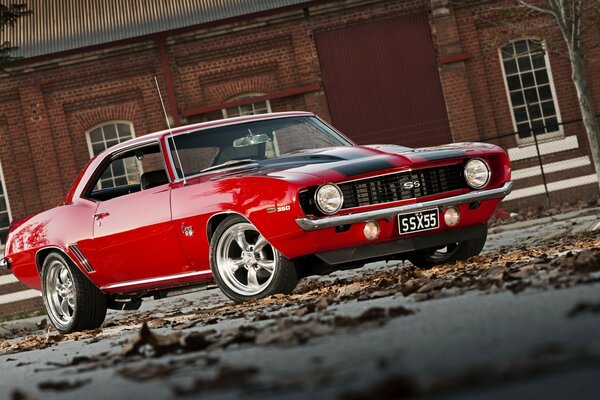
(363, 167)
(433, 155)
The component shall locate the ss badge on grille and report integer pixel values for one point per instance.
(411, 185)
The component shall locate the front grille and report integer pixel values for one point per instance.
(391, 187)
(388, 188)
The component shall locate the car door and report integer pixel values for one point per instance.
(133, 231)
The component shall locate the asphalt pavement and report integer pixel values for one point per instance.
(532, 334)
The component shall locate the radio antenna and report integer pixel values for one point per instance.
(162, 103)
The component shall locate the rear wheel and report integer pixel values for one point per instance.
(245, 265)
(458, 251)
(73, 303)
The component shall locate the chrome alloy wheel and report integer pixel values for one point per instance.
(60, 292)
(245, 260)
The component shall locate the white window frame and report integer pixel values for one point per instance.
(3, 183)
(89, 139)
(558, 134)
(246, 96)
(102, 124)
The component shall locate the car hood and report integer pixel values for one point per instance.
(337, 164)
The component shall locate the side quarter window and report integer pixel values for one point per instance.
(130, 172)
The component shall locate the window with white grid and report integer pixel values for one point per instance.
(5, 216)
(530, 89)
(123, 172)
(259, 107)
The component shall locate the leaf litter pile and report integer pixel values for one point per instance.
(309, 313)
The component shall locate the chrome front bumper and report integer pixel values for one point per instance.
(4, 264)
(389, 213)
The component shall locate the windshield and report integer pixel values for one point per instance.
(208, 149)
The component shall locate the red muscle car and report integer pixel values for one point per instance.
(254, 203)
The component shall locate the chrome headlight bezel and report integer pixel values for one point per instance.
(476, 169)
(321, 196)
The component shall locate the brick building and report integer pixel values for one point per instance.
(413, 72)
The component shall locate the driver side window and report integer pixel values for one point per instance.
(130, 172)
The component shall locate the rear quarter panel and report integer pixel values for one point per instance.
(55, 228)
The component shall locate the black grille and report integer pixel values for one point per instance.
(388, 188)
(402, 186)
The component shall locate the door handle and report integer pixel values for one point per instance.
(101, 215)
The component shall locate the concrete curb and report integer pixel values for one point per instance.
(27, 325)
(553, 218)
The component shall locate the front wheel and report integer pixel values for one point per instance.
(452, 252)
(246, 266)
(73, 302)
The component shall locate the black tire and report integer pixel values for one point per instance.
(235, 280)
(459, 251)
(85, 304)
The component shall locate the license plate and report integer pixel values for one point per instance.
(419, 221)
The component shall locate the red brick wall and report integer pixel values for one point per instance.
(46, 106)
(481, 30)
(48, 113)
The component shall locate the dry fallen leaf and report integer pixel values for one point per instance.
(147, 372)
(19, 395)
(61, 386)
(226, 377)
(584, 308)
(149, 344)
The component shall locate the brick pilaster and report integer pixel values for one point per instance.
(44, 159)
(453, 72)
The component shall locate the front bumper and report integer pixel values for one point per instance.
(389, 213)
(391, 249)
(4, 264)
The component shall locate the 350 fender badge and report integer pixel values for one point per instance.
(272, 210)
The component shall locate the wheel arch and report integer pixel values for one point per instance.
(89, 309)
(42, 254)
(216, 220)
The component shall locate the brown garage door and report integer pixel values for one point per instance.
(382, 82)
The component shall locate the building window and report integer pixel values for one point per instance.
(124, 172)
(259, 107)
(5, 216)
(530, 89)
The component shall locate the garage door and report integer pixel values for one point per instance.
(382, 82)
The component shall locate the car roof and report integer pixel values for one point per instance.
(202, 125)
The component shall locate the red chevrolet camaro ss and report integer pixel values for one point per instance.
(253, 203)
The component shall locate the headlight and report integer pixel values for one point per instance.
(477, 173)
(329, 199)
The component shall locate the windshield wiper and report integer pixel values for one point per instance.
(229, 163)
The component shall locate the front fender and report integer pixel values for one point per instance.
(271, 205)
